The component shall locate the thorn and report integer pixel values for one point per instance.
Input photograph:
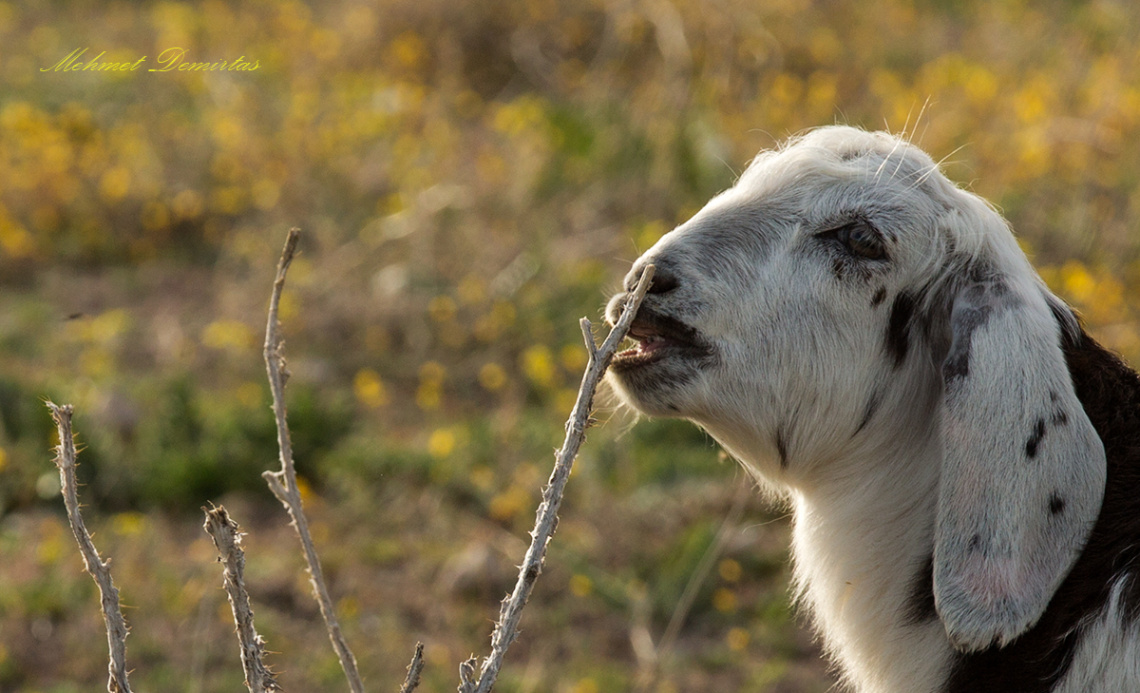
(467, 670)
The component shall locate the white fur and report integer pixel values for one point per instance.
(1108, 658)
(890, 445)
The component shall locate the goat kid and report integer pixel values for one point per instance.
(961, 458)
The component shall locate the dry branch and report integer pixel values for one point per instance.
(414, 670)
(506, 630)
(98, 568)
(283, 483)
(227, 538)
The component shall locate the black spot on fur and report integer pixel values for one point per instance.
(1056, 504)
(975, 543)
(782, 447)
(956, 366)
(839, 269)
(879, 297)
(898, 327)
(965, 320)
(1033, 663)
(1060, 417)
(1034, 441)
(920, 603)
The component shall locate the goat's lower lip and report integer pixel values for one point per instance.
(657, 353)
(658, 338)
(644, 352)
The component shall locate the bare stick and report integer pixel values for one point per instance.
(98, 568)
(283, 483)
(506, 631)
(414, 670)
(227, 539)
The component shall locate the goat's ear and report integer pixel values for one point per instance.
(1023, 470)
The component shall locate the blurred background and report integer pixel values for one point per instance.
(470, 178)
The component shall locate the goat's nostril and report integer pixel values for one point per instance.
(663, 282)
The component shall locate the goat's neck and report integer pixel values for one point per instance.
(862, 541)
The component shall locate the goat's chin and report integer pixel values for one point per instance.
(663, 379)
(653, 391)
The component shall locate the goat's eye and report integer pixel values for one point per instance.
(860, 239)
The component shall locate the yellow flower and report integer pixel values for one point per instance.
(581, 585)
(737, 639)
(538, 366)
(369, 388)
(441, 443)
(565, 399)
(106, 326)
(724, 600)
(730, 570)
(1077, 282)
(482, 477)
(128, 524)
(472, 289)
(429, 396)
(306, 492)
(492, 377)
(649, 234)
(573, 357)
(228, 334)
(441, 308)
(348, 607)
(115, 183)
(15, 241)
(432, 371)
(509, 503)
(586, 685)
(407, 49)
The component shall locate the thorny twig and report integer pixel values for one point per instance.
(283, 483)
(506, 630)
(414, 670)
(97, 567)
(227, 538)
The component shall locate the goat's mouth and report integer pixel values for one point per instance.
(658, 337)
